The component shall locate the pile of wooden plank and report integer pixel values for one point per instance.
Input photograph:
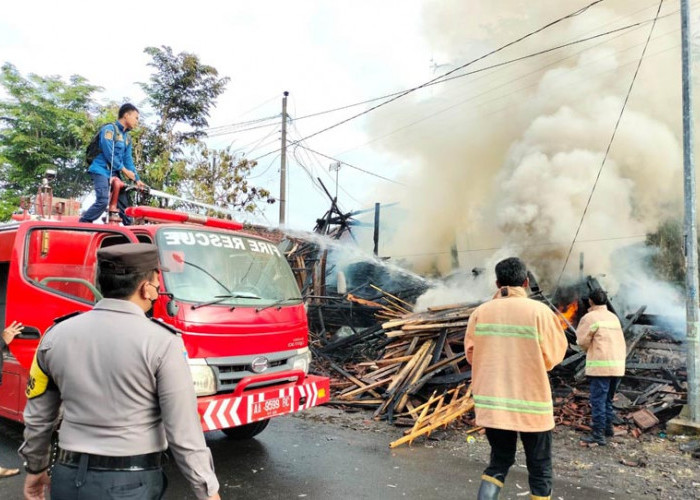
(418, 379)
(411, 371)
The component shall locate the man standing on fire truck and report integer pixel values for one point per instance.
(114, 159)
(512, 342)
(599, 333)
(126, 390)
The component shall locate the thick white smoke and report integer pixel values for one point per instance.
(508, 157)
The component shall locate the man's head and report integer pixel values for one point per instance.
(129, 272)
(128, 116)
(598, 297)
(511, 272)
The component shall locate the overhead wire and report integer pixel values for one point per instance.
(523, 246)
(320, 165)
(343, 162)
(461, 67)
(505, 84)
(607, 151)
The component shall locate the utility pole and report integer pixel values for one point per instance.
(283, 163)
(376, 228)
(335, 166)
(690, 226)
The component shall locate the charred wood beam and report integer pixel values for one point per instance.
(353, 339)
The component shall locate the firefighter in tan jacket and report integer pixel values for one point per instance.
(512, 342)
(600, 334)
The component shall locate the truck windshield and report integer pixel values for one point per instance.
(220, 268)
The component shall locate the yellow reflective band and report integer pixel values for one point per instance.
(493, 480)
(498, 330)
(604, 324)
(37, 382)
(603, 362)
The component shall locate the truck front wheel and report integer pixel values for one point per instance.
(246, 431)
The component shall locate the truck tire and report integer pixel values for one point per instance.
(246, 431)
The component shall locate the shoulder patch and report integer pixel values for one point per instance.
(168, 327)
(65, 317)
(37, 382)
(109, 134)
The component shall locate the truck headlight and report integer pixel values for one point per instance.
(203, 377)
(302, 360)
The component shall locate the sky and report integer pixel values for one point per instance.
(324, 54)
(512, 159)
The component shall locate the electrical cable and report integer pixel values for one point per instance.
(349, 165)
(493, 88)
(321, 166)
(444, 75)
(607, 151)
(521, 246)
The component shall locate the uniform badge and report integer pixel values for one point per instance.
(109, 134)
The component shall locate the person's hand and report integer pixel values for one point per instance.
(140, 185)
(9, 333)
(35, 486)
(129, 174)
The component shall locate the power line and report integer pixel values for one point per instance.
(493, 88)
(444, 75)
(607, 151)
(523, 246)
(321, 166)
(297, 143)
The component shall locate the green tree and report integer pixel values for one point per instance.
(220, 178)
(669, 260)
(45, 123)
(182, 91)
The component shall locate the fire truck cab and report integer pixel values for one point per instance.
(232, 296)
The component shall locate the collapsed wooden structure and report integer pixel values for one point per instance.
(410, 369)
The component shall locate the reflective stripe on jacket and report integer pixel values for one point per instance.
(599, 333)
(511, 343)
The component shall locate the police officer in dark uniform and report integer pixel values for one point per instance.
(126, 391)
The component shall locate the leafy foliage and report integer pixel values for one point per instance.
(44, 124)
(182, 92)
(669, 261)
(220, 178)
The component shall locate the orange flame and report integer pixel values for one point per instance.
(569, 312)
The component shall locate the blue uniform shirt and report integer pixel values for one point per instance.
(122, 151)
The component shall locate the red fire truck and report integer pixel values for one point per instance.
(231, 294)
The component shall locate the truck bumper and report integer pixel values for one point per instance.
(246, 406)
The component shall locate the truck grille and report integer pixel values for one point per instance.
(229, 371)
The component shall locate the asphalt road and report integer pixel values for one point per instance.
(303, 458)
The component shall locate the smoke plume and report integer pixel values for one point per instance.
(507, 158)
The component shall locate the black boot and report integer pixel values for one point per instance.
(595, 437)
(609, 431)
(490, 488)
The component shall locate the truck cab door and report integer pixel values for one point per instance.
(52, 274)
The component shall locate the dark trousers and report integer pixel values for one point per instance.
(602, 393)
(81, 483)
(101, 185)
(538, 457)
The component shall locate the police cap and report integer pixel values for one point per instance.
(129, 258)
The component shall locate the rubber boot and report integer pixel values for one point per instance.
(595, 437)
(490, 488)
(609, 431)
